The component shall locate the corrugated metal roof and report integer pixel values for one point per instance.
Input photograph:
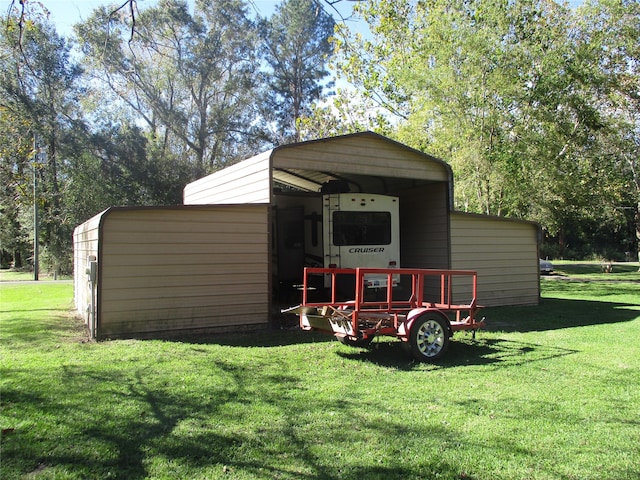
(366, 161)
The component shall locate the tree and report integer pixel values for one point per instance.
(189, 78)
(517, 96)
(296, 49)
(15, 150)
(119, 166)
(613, 30)
(38, 85)
(451, 71)
(345, 112)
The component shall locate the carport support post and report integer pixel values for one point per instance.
(637, 218)
(36, 246)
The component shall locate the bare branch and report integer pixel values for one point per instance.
(133, 7)
(22, 25)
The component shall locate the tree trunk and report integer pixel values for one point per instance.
(17, 258)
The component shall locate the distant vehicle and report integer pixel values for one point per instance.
(546, 267)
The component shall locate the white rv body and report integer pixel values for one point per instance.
(361, 230)
(336, 230)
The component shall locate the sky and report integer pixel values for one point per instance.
(66, 13)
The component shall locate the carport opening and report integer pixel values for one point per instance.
(299, 223)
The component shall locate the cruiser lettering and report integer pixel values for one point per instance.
(366, 250)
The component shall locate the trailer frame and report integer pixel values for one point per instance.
(424, 325)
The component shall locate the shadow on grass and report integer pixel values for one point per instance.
(118, 433)
(550, 314)
(23, 329)
(267, 338)
(109, 423)
(556, 313)
(462, 351)
(216, 416)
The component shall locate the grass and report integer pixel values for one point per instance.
(548, 392)
(10, 275)
(13, 275)
(593, 271)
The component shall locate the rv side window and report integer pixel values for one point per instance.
(361, 228)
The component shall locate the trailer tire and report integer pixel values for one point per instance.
(429, 337)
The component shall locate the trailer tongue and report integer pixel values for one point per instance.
(424, 313)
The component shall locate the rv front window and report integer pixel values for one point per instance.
(361, 228)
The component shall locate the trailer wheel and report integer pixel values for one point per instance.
(429, 337)
(361, 342)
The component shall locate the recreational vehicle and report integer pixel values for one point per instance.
(336, 230)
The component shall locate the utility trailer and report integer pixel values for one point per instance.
(423, 312)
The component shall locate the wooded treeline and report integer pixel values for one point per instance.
(536, 106)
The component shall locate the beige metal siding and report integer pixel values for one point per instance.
(424, 227)
(85, 243)
(360, 154)
(183, 269)
(503, 252)
(244, 182)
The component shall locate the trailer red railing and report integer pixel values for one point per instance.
(422, 307)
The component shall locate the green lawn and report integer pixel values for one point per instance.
(11, 275)
(594, 271)
(547, 392)
(7, 275)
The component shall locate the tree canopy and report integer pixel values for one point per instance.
(535, 104)
(296, 50)
(522, 98)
